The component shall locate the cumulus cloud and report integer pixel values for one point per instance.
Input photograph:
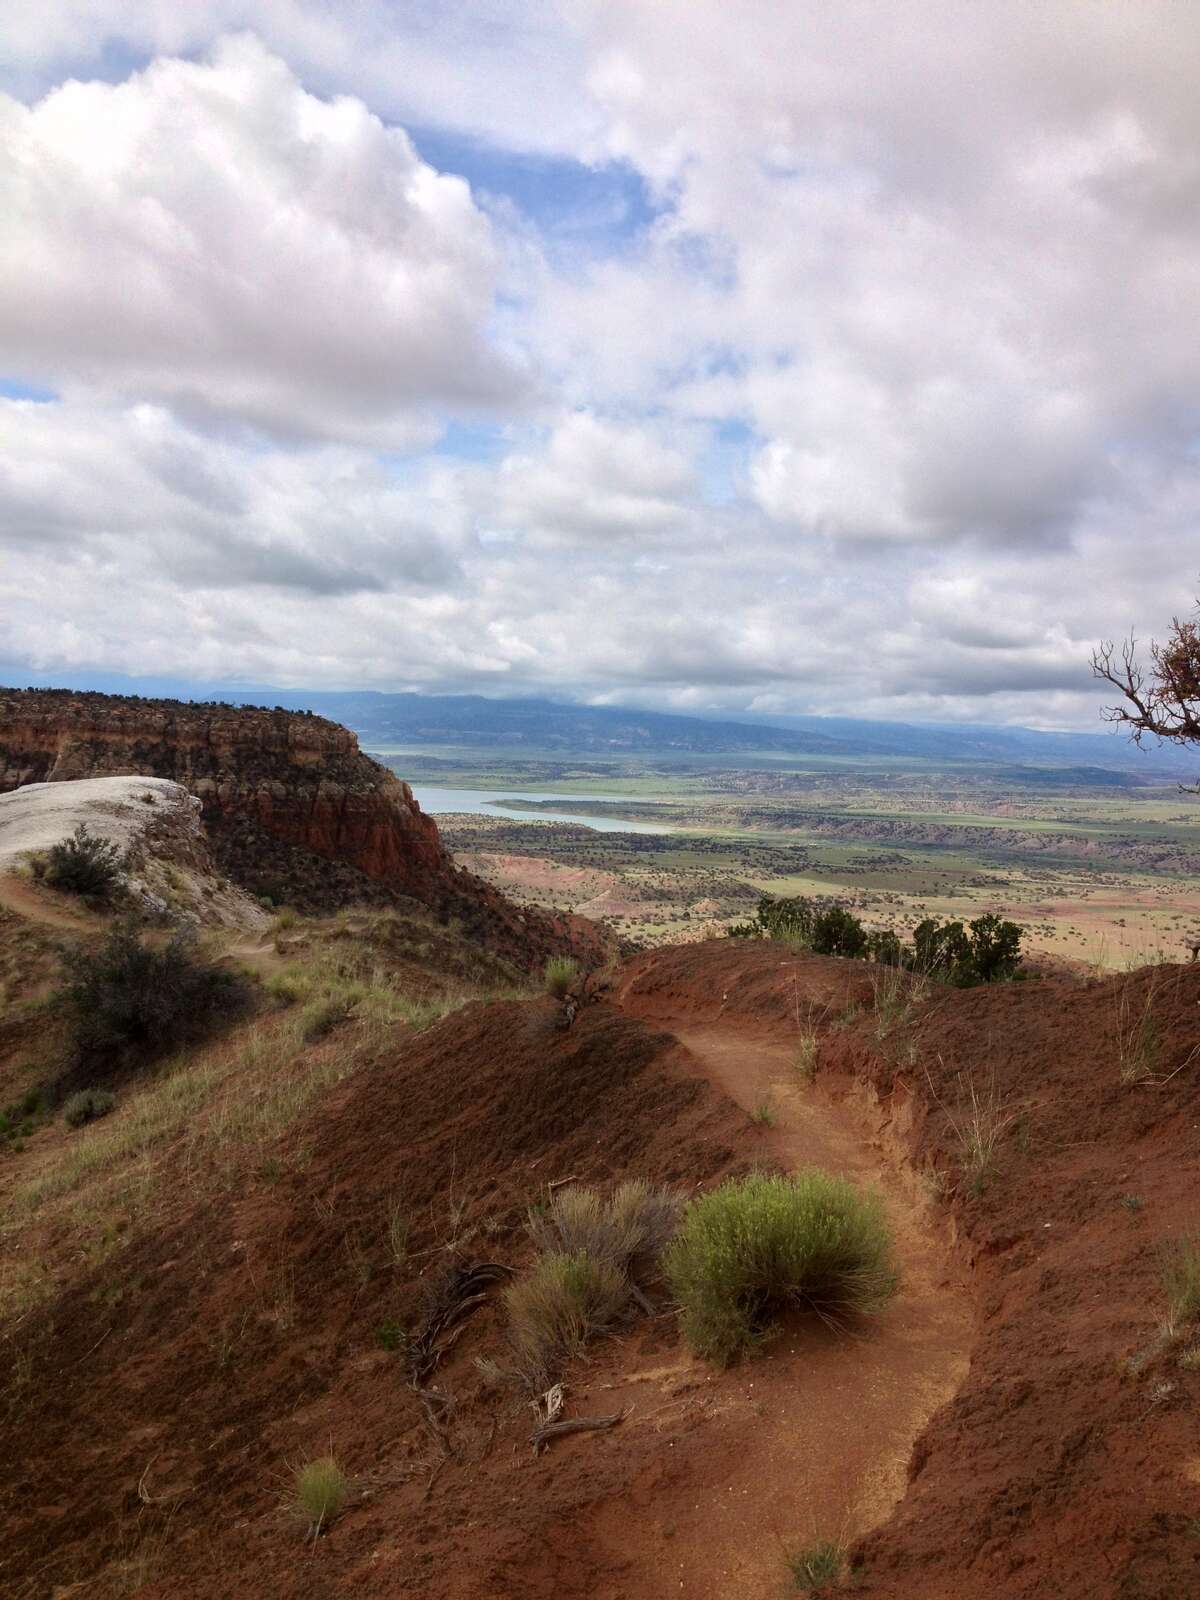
(138, 493)
(595, 479)
(474, 66)
(212, 236)
(888, 407)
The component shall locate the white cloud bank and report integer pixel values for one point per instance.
(892, 406)
(212, 236)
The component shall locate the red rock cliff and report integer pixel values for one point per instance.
(294, 809)
(294, 777)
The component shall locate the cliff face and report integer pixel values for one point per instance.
(287, 778)
(293, 808)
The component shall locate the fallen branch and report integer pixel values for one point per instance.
(546, 1431)
(457, 1296)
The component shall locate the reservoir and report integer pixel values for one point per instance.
(436, 801)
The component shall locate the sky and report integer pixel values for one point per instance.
(717, 358)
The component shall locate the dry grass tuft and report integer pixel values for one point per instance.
(564, 1301)
(592, 1252)
(630, 1228)
(807, 1047)
(321, 1492)
(896, 993)
(979, 1120)
(1179, 1264)
(561, 973)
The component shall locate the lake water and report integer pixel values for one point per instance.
(482, 803)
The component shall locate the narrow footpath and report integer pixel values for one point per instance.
(812, 1440)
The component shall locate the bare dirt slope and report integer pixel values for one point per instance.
(242, 1311)
(836, 1416)
(1067, 1463)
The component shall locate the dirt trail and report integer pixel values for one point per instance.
(815, 1440)
(16, 894)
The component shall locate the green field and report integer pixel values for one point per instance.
(1098, 873)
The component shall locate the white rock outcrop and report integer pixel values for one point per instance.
(157, 826)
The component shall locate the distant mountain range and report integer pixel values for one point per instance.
(530, 726)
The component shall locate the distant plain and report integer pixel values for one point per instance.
(1102, 867)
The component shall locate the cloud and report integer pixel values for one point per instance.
(138, 495)
(212, 237)
(473, 66)
(595, 479)
(886, 406)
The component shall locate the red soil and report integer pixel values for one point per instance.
(173, 1384)
(1068, 1464)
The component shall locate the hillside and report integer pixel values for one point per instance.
(235, 1271)
(294, 812)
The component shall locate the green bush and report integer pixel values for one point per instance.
(884, 948)
(995, 948)
(321, 1492)
(86, 1106)
(84, 864)
(829, 930)
(758, 1245)
(990, 952)
(126, 1002)
(837, 932)
(555, 1308)
(788, 919)
(561, 972)
(941, 949)
(987, 950)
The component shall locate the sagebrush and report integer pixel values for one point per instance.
(565, 1300)
(84, 864)
(127, 1002)
(593, 1252)
(761, 1244)
(626, 1231)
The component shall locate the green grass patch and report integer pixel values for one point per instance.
(321, 1492)
(759, 1245)
(322, 1015)
(1179, 1264)
(561, 973)
(815, 1567)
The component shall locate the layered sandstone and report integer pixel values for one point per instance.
(295, 812)
(260, 776)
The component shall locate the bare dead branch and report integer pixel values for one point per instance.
(541, 1436)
